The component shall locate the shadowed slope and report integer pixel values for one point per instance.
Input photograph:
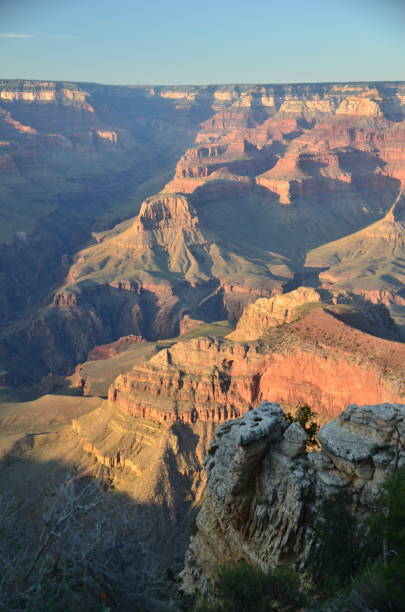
(370, 262)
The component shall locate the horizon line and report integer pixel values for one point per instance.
(223, 84)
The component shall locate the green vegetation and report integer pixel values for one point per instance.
(308, 307)
(335, 558)
(365, 564)
(215, 329)
(242, 588)
(388, 529)
(304, 415)
(356, 567)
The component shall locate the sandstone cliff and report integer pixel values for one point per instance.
(271, 312)
(367, 315)
(319, 360)
(154, 472)
(262, 488)
(221, 220)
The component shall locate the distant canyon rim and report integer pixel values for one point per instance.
(173, 257)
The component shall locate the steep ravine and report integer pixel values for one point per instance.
(59, 187)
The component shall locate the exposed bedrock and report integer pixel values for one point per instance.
(263, 490)
(318, 361)
(264, 174)
(368, 262)
(142, 281)
(266, 313)
(62, 334)
(70, 156)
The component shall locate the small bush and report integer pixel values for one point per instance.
(338, 551)
(304, 415)
(342, 550)
(242, 588)
(372, 588)
(82, 554)
(388, 531)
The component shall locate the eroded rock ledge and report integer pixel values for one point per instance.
(262, 488)
(318, 361)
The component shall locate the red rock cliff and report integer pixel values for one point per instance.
(319, 361)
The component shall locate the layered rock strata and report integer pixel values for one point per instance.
(319, 361)
(327, 152)
(260, 317)
(263, 174)
(271, 312)
(263, 488)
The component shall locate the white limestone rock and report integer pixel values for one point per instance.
(294, 440)
(263, 489)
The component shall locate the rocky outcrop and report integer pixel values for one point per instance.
(187, 324)
(63, 333)
(319, 361)
(367, 313)
(263, 489)
(200, 163)
(44, 92)
(140, 451)
(168, 222)
(105, 351)
(156, 472)
(271, 312)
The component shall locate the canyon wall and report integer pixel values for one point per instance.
(319, 361)
(368, 262)
(248, 179)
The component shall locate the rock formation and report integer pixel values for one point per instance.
(318, 360)
(271, 312)
(187, 324)
(262, 315)
(106, 351)
(248, 180)
(263, 488)
(252, 186)
(368, 262)
(156, 471)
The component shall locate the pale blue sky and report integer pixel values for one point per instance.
(203, 41)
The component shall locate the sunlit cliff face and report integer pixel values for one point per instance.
(236, 188)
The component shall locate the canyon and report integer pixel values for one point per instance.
(238, 191)
(174, 258)
(319, 360)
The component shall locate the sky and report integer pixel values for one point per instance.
(168, 42)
